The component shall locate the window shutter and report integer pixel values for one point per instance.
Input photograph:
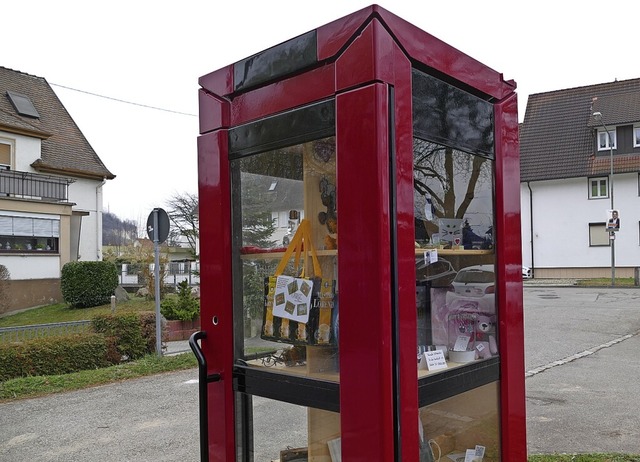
(22, 226)
(6, 226)
(25, 226)
(5, 154)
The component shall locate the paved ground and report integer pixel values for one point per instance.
(583, 371)
(582, 387)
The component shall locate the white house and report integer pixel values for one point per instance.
(570, 141)
(51, 183)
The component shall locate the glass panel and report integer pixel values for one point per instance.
(602, 137)
(18, 244)
(449, 115)
(453, 200)
(603, 188)
(465, 422)
(287, 433)
(290, 326)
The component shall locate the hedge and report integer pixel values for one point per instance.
(88, 283)
(55, 355)
(134, 333)
(116, 337)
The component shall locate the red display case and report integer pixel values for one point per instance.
(386, 162)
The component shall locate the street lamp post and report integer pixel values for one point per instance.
(612, 234)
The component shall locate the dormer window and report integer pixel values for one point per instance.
(636, 136)
(603, 140)
(22, 104)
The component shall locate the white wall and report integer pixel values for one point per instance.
(561, 215)
(27, 150)
(87, 194)
(30, 266)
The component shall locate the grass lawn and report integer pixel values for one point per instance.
(60, 312)
(585, 458)
(31, 387)
(606, 282)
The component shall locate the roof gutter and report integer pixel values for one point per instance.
(25, 131)
(40, 166)
(99, 219)
(531, 227)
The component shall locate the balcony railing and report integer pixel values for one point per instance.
(28, 185)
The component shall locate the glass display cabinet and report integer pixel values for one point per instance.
(361, 287)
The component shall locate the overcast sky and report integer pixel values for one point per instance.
(152, 53)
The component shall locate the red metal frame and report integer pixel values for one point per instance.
(366, 64)
(365, 208)
(509, 278)
(215, 264)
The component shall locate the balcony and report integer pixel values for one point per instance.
(34, 186)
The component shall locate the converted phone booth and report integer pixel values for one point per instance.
(360, 252)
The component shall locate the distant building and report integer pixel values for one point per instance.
(566, 155)
(51, 183)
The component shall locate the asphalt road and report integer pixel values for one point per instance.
(584, 375)
(582, 387)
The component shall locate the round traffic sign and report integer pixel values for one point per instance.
(162, 232)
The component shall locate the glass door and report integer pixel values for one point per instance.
(285, 255)
(457, 316)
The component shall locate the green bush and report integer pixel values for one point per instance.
(148, 326)
(184, 308)
(88, 283)
(133, 333)
(54, 355)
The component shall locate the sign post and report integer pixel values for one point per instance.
(158, 231)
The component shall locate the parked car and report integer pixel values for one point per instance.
(526, 272)
(438, 274)
(474, 283)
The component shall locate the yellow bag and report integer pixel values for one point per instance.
(300, 310)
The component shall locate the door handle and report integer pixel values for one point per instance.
(203, 381)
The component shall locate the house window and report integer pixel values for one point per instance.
(5, 156)
(26, 233)
(598, 187)
(603, 140)
(636, 137)
(598, 235)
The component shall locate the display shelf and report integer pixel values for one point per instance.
(300, 389)
(450, 365)
(420, 251)
(437, 382)
(333, 253)
(278, 255)
(299, 371)
(452, 381)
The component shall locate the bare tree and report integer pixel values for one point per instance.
(183, 213)
(448, 178)
(117, 232)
